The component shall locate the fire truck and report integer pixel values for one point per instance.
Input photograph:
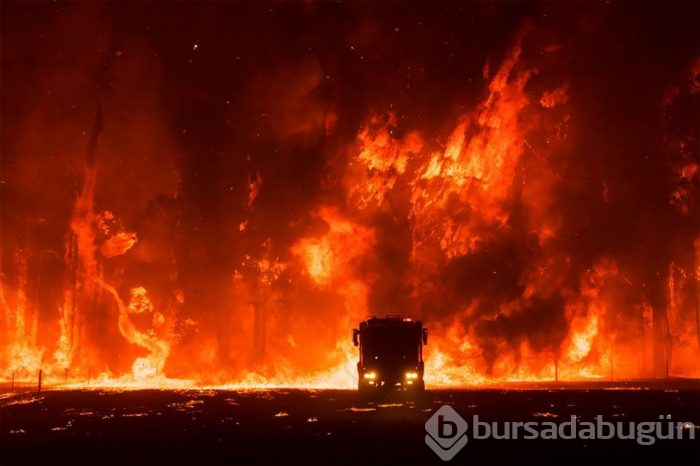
(391, 354)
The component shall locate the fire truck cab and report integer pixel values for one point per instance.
(391, 354)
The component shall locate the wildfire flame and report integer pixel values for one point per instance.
(164, 270)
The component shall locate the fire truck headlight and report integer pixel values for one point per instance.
(411, 375)
(370, 375)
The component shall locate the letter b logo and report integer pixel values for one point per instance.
(446, 432)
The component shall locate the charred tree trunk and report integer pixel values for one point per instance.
(658, 297)
(697, 320)
(696, 298)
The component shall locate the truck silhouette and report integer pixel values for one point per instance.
(391, 354)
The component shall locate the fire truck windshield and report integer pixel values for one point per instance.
(390, 344)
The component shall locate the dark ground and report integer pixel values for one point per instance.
(326, 426)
